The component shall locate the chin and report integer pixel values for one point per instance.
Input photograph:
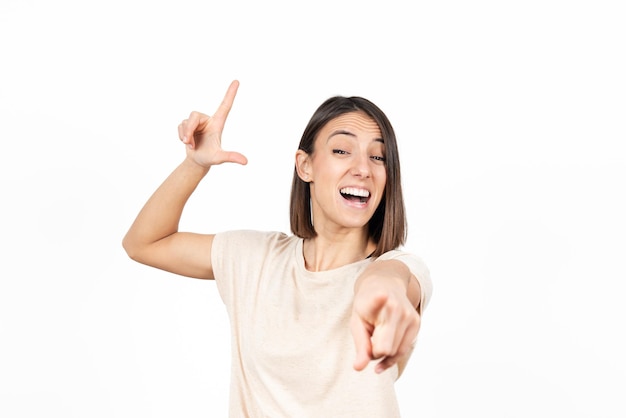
(355, 223)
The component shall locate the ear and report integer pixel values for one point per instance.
(303, 166)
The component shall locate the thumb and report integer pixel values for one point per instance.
(235, 157)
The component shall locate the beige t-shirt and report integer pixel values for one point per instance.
(292, 349)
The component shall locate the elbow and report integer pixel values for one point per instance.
(130, 248)
(136, 250)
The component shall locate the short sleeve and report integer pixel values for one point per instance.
(419, 269)
(238, 257)
(233, 257)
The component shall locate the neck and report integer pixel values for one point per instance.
(326, 252)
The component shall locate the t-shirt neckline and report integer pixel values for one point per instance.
(320, 274)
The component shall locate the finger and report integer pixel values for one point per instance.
(400, 318)
(227, 103)
(185, 132)
(371, 309)
(405, 346)
(390, 328)
(181, 135)
(389, 361)
(364, 318)
(385, 340)
(235, 157)
(194, 123)
(361, 336)
(386, 363)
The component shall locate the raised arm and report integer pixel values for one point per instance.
(153, 238)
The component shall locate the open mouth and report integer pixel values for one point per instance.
(355, 194)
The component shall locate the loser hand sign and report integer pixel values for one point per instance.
(203, 134)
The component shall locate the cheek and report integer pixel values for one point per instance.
(381, 179)
(328, 171)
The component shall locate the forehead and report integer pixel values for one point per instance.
(357, 123)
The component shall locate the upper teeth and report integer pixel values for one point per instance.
(355, 192)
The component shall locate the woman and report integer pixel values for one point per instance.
(322, 321)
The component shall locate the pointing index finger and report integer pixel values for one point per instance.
(227, 102)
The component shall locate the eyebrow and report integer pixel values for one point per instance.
(348, 133)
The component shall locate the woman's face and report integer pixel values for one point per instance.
(346, 172)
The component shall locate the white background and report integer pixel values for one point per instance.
(511, 121)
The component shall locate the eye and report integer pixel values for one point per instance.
(340, 152)
(378, 158)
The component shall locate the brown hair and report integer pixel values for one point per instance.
(387, 227)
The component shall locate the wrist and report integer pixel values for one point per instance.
(384, 280)
(382, 283)
(392, 271)
(195, 167)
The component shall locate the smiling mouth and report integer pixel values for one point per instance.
(354, 194)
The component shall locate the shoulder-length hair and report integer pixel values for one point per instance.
(387, 227)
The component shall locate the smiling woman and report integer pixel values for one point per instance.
(373, 136)
(302, 305)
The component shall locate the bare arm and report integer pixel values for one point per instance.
(385, 319)
(153, 238)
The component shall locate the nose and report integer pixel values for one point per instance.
(361, 166)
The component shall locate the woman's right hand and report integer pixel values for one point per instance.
(203, 134)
